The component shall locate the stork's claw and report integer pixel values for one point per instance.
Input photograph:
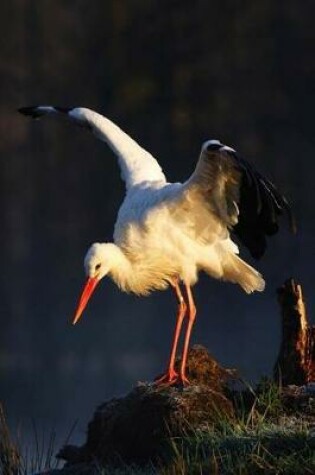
(171, 378)
(167, 379)
(183, 380)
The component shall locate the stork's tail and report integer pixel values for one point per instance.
(237, 271)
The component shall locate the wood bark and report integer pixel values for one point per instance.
(296, 359)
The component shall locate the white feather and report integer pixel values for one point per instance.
(137, 165)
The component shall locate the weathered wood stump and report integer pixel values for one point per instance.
(138, 427)
(296, 360)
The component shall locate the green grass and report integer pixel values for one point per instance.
(42, 455)
(264, 439)
(16, 458)
(265, 449)
(236, 450)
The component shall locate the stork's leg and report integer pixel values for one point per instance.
(192, 317)
(171, 376)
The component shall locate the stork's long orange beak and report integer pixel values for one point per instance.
(88, 290)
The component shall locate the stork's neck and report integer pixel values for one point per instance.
(121, 268)
(139, 275)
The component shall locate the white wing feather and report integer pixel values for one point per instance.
(138, 166)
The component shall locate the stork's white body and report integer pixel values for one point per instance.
(166, 233)
(162, 242)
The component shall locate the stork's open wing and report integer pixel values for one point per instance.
(137, 165)
(241, 197)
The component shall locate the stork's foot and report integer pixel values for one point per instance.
(168, 378)
(171, 378)
(183, 380)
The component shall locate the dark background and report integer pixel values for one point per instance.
(172, 74)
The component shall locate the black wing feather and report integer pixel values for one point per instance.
(260, 205)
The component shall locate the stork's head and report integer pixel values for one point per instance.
(215, 146)
(97, 263)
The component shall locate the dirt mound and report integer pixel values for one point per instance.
(137, 427)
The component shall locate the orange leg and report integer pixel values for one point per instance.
(192, 317)
(171, 376)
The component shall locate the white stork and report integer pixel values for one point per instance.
(166, 233)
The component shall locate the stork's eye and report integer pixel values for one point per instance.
(98, 266)
(212, 147)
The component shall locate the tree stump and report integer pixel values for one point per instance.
(296, 360)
